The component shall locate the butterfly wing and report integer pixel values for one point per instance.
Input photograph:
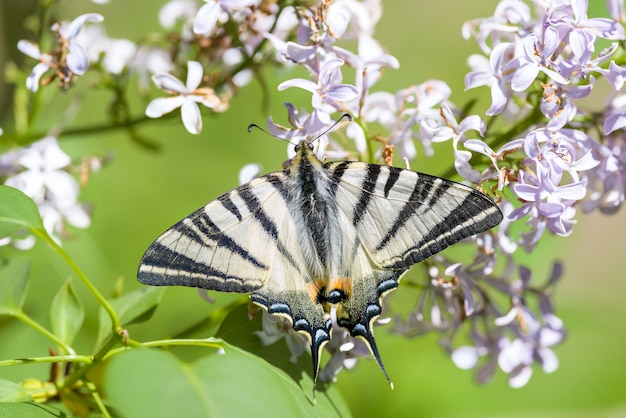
(403, 217)
(244, 241)
(399, 218)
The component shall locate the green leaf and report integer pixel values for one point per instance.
(12, 392)
(147, 383)
(66, 313)
(17, 211)
(29, 410)
(14, 285)
(132, 308)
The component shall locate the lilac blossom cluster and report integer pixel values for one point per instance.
(551, 156)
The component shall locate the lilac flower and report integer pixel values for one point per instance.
(276, 327)
(209, 13)
(186, 96)
(32, 50)
(481, 147)
(584, 30)
(71, 59)
(532, 344)
(557, 104)
(307, 126)
(491, 74)
(451, 129)
(537, 58)
(53, 189)
(176, 10)
(329, 94)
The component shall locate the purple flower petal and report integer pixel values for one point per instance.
(32, 81)
(29, 48)
(307, 85)
(76, 25)
(77, 59)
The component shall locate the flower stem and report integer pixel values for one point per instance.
(40, 329)
(115, 321)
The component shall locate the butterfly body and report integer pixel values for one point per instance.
(315, 236)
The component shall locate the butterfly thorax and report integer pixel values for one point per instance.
(316, 214)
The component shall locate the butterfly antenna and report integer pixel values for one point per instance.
(331, 127)
(254, 125)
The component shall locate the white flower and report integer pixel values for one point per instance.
(188, 97)
(32, 50)
(210, 13)
(54, 190)
(118, 55)
(77, 60)
(72, 58)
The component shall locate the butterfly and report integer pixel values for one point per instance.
(316, 236)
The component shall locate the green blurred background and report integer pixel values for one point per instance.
(141, 193)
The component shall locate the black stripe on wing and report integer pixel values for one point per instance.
(417, 199)
(476, 214)
(161, 266)
(367, 189)
(254, 205)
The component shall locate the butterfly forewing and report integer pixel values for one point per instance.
(314, 236)
(404, 217)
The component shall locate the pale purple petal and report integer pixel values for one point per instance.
(461, 163)
(72, 30)
(465, 357)
(29, 48)
(175, 10)
(77, 59)
(498, 99)
(63, 188)
(549, 360)
(475, 79)
(170, 83)
(53, 156)
(342, 92)
(77, 216)
(302, 83)
(551, 41)
(520, 377)
(190, 113)
(480, 146)
(524, 77)
(613, 122)
(29, 182)
(32, 81)
(158, 107)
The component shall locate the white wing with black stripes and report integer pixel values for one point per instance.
(315, 235)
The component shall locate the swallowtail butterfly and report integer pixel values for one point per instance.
(317, 235)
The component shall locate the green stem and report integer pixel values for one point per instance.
(72, 358)
(93, 360)
(188, 342)
(96, 397)
(40, 329)
(115, 321)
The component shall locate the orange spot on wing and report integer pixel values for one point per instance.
(314, 289)
(342, 283)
